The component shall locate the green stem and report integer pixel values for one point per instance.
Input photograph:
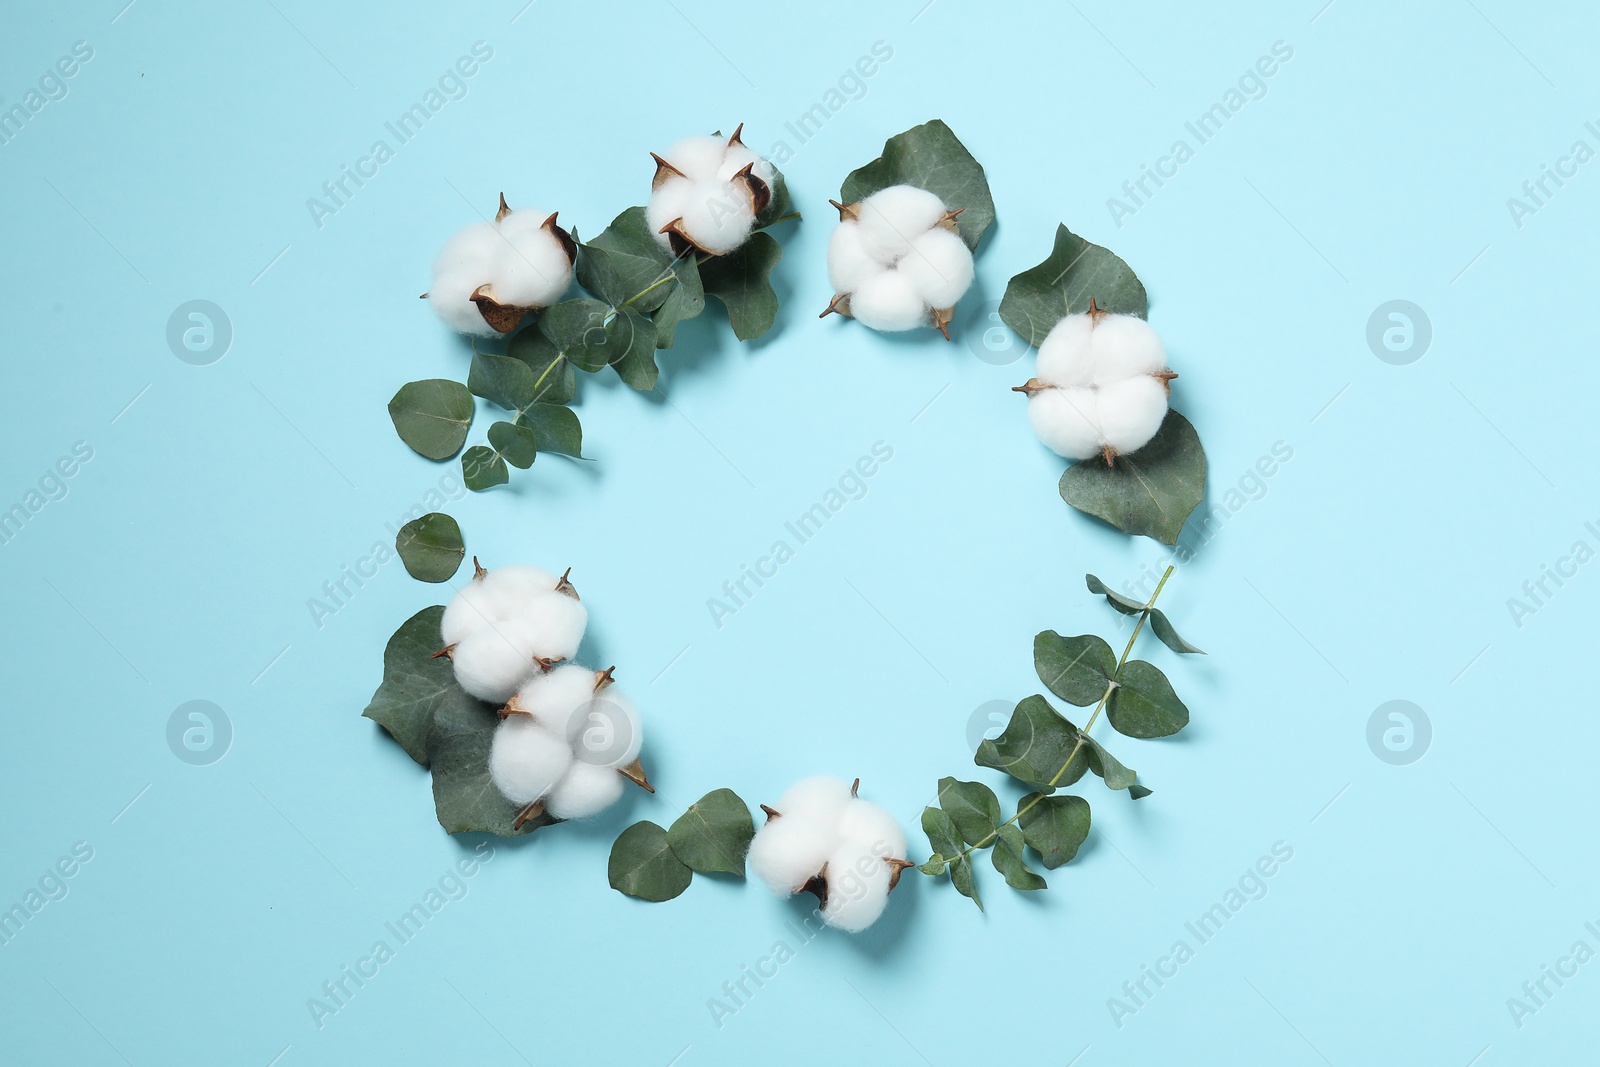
(1083, 734)
(653, 286)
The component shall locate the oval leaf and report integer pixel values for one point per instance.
(930, 157)
(947, 845)
(1055, 827)
(555, 428)
(1034, 747)
(972, 807)
(1149, 492)
(554, 381)
(1007, 859)
(464, 797)
(741, 280)
(1063, 285)
(483, 468)
(414, 685)
(1143, 704)
(514, 442)
(643, 864)
(713, 834)
(432, 416)
(431, 547)
(1076, 669)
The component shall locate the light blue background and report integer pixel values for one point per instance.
(1376, 565)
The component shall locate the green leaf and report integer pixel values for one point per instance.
(577, 328)
(554, 381)
(714, 833)
(946, 841)
(780, 204)
(932, 158)
(934, 865)
(555, 429)
(515, 443)
(972, 807)
(1143, 704)
(482, 467)
(1076, 669)
(1055, 827)
(1007, 859)
(687, 300)
(1076, 272)
(414, 684)
(1111, 770)
(631, 349)
(432, 416)
(464, 797)
(501, 380)
(1159, 622)
(643, 864)
(626, 260)
(1149, 492)
(430, 547)
(742, 281)
(1034, 746)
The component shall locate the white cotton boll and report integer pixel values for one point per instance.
(668, 201)
(894, 217)
(555, 624)
(556, 697)
(1131, 412)
(717, 216)
(865, 824)
(858, 888)
(526, 759)
(887, 302)
(788, 851)
(531, 268)
(511, 587)
(468, 611)
(1065, 354)
(1067, 420)
(849, 262)
(450, 297)
(469, 250)
(585, 790)
(698, 157)
(740, 156)
(492, 663)
(939, 268)
(1125, 346)
(821, 798)
(609, 733)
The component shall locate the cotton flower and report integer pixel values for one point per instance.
(527, 759)
(1100, 385)
(896, 261)
(706, 195)
(825, 839)
(490, 274)
(507, 624)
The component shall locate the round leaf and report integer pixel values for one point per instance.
(1055, 827)
(643, 864)
(972, 807)
(431, 547)
(1076, 669)
(515, 443)
(414, 684)
(742, 281)
(1034, 746)
(432, 416)
(482, 468)
(714, 833)
(1143, 704)
(1063, 285)
(1150, 492)
(930, 157)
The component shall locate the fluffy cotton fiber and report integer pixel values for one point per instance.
(822, 829)
(504, 622)
(522, 260)
(526, 759)
(896, 261)
(704, 199)
(1100, 386)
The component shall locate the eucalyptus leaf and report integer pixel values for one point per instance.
(1159, 623)
(946, 843)
(1035, 746)
(1055, 827)
(1075, 272)
(555, 429)
(625, 261)
(577, 328)
(431, 547)
(501, 380)
(742, 281)
(482, 468)
(432, 416)
(686, 300)
(714, 834)
(631, 349)
(415, 685)
(515, 443)
(554, 381)
(1150, 492)
(934, 865)
(1115, 599)
(1007, 859)
(972, 807)
(1076, 669)
(930, 157)
(1143, 704)
(779, 205)
(1111, 770)
(464, 797)
(643, 864)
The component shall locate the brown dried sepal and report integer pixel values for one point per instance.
(634, 772)
(664, 172)
(1031, 386)
(772, 813)
(528, 814)
(896, 869)
(604, 678)
(563, 238)
(839, 305)
(847, 212)
(565, 587)
(502, 318)
(679, 240)
(817, 885)
(505, 209)
(947, 221)
(760, 192)
(942, 317)
(513, 707)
